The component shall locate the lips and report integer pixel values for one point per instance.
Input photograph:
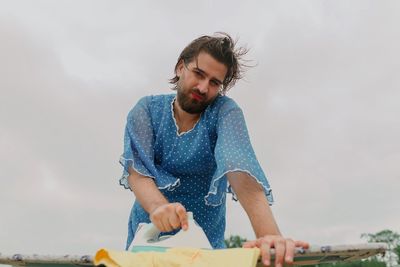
(197, 97)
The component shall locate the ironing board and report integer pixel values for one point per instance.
(313, 255)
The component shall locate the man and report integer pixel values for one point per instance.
(181, 151)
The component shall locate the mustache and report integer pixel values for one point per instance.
(197, 92)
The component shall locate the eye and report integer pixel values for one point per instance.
(214, 83)
(198, 73)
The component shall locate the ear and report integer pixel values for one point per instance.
(179, 68)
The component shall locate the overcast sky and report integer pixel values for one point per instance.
(322, 108)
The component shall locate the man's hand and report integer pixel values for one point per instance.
(170, 216)
(164, 215)
(284, 248)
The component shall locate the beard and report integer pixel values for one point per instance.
(190, 105)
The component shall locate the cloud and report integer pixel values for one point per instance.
(321, 106)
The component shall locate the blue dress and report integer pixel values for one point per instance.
(189, 167)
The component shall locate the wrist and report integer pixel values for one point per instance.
(155, 205)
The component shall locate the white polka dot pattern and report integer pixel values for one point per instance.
(189, 168)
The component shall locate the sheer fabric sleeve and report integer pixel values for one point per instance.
(139, 148)
(233, 152)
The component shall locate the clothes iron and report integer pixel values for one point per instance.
(148, 238)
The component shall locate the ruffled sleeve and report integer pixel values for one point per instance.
(233, 152)
(139, 148)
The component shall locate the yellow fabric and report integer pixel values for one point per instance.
(179, 257)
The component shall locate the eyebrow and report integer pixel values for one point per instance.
(203, 72)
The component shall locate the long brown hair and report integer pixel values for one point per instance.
(220, 46)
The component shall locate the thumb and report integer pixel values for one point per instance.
(182, 214)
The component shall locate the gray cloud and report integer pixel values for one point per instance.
(321, 106)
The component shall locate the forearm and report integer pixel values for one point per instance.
(260, 214)
(252, 198)
(146, 191)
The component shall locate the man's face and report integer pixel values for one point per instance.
(199, 82)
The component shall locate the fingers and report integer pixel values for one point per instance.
(284, 249)
(160, 221)
(280, 249)
(158, 224)
(182, 215)
(174, 222)
(249, 244)
(155, 218)
(167, 227)
(169, 217)
(302, 244)
(290, 247)
(265, 248)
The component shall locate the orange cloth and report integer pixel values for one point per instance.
(184, 257)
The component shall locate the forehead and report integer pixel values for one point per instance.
(210, 66)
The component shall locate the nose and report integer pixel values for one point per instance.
(203, 86)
